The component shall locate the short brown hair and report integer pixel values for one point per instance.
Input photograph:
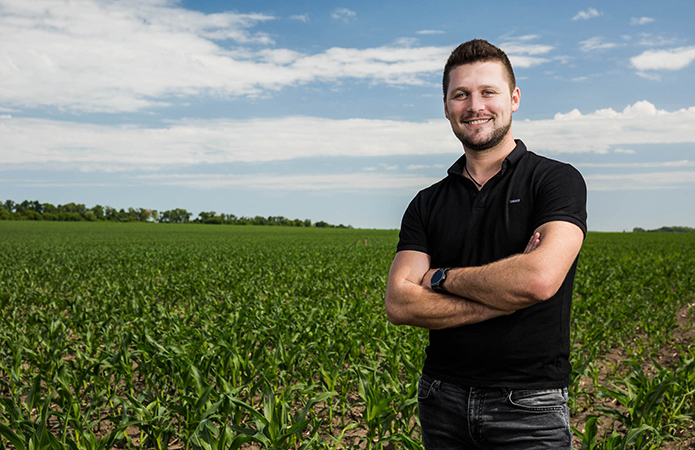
(477, 50)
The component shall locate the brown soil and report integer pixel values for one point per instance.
(683, 335)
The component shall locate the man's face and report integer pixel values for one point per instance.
(479, 105)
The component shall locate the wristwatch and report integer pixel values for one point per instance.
(438, 279)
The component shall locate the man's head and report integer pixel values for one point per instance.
(477, 50)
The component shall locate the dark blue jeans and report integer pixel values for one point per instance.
(455, 417)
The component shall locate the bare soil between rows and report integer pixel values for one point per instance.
(683, 336)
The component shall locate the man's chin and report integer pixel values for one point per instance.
(478, 145)
(483, 143)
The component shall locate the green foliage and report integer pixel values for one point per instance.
(71, 212)
(201, 337)
(666, 230)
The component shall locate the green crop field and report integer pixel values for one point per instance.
(222, 337)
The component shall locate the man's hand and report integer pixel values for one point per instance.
(533, 243)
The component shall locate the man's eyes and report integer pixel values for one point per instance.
(486, 93)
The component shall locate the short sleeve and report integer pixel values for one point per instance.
(562, 196)
(413, 234)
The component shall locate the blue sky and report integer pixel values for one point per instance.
(333, 110)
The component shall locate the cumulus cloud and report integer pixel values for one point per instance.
(650, 40)
(669, 59)
(89, 56)
(595, 43)
(52, 144)
(118, 56)
(430, 32)
(344, 14)
(524, 54)
(57, 144)
(641, 20)
(588, 14)
(604, 129)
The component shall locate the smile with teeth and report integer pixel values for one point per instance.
(477, 121)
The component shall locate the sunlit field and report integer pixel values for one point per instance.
(143, 335)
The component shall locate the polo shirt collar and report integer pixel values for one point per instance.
(512, 158)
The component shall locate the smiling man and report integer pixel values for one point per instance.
(486, 261)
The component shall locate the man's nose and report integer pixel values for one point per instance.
(475, 103)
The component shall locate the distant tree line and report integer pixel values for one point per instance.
(666, 230)
(77, 212)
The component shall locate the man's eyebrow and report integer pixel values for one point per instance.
(481, 87)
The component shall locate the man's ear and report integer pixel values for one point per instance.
(446, 110)
(516, 99)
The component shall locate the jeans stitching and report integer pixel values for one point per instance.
(479, 436)
(430, 386)
(534, 408)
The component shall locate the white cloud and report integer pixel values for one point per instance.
(523, 54)
(301, 18)
(118, 56)
(649, 40)
(89, 56)
(57, 145)
(62, 145)
(350, 182)
(588, 14)
(406, 42)
(595, 43)
(391, 65)
(521, 48)
(602, 130)
(641, 20)
(642, 165)
(640, 181)
(671, 59)
(344, 14)
(430, 32)
(424, 166)
(650, 76)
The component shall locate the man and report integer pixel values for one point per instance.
(486, 261)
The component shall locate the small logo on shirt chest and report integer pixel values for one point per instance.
(514, 200)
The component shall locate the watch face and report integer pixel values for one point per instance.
(437, 277)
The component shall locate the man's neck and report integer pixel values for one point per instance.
(482, 165)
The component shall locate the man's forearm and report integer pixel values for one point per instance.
(420, 306)
(524, 279)
(508, 284)
(410, 300)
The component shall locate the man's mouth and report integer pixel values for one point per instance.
(477, 121)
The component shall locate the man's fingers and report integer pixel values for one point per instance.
(533, 242)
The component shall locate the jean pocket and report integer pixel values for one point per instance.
(539, 399)
(426, 387)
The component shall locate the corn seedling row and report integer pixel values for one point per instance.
(202, 337)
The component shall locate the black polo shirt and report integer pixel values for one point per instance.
(460, 227)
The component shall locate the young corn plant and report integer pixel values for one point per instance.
(277, 426)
